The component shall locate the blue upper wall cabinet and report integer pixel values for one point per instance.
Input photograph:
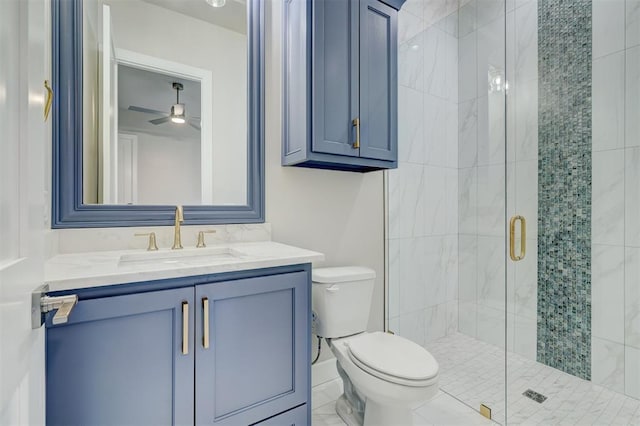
(340, 84)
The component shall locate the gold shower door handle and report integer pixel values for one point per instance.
(185, 328)
(49, 101)
(512, 238)
(205, 322)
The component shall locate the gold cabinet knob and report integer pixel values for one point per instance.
(152, 246)
(201, 243)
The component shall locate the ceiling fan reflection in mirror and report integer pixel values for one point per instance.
(177, 114)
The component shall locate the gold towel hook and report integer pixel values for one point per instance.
(49, 100)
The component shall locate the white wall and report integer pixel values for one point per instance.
(145, 28)
(340, 214)
(168, 170)
(423, 202)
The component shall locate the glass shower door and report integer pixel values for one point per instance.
(447, 201)
(482, 167)
(521, 221)
(573, 166)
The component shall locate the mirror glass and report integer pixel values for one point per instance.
(165, 102)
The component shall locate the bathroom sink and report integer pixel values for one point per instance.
(195, 255)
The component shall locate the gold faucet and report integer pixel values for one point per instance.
(177, 243)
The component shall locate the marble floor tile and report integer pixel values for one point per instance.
(473, 372)
(443, 409)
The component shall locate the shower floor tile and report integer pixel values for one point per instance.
(472, 371)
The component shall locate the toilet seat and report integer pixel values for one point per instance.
(393, 358)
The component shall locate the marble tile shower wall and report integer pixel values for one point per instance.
(482, 60)
(446, 252)
(616, 196)
(423, 202)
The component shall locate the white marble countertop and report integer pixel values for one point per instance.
(94, 269)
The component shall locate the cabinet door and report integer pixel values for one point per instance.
(378, 80)
(257, 363)
(119, 361)
(335, 76)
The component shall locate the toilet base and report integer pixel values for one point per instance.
(385, 415)
(374, 414)
(352, 404)
(346, 412)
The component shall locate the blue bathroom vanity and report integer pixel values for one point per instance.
(228, 348)
(340, 84)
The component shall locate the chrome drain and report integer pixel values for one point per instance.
(537, 397)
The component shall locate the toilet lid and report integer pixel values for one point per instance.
(393, 357)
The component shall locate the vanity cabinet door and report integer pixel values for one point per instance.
(257, 361)
(378, 80)
(120, 361)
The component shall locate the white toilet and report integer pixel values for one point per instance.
(385, 376)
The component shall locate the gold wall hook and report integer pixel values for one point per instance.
(49, 100)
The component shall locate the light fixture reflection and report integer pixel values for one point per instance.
(177, 113)
(216, 3)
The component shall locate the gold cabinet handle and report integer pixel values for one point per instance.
(205, 322)
(356, 123)
(512, 238)
(49, 101)
(185, 328)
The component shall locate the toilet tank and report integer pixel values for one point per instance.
(341, 299)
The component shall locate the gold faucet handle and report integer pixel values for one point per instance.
(153, 246)
(201, 243)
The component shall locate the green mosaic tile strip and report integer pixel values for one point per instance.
(564, 185)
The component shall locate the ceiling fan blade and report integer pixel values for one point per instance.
(194, 125)
(146, 110)
(160, 120)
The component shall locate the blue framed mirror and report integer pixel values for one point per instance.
(157, 103)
